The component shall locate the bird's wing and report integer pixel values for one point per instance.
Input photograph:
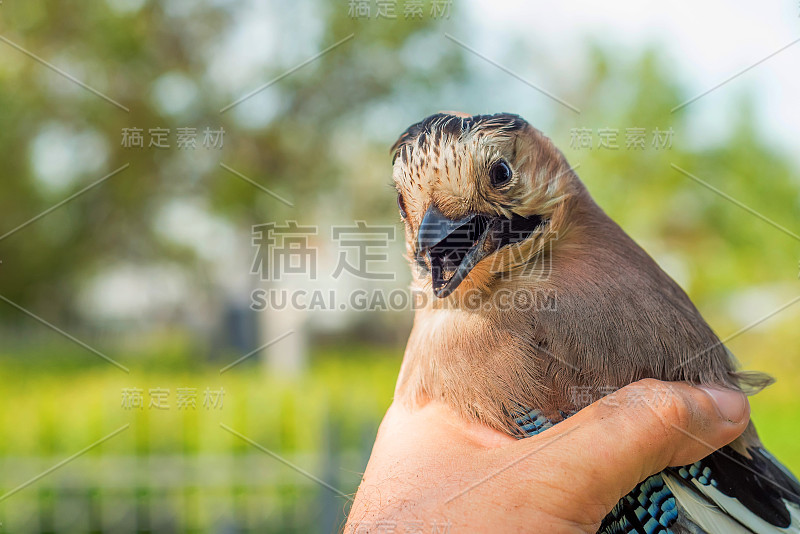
(753, 489)
(725, 493)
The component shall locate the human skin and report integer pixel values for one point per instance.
(430, 470)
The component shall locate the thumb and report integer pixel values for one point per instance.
(643, 428)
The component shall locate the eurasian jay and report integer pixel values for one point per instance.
(540, 304)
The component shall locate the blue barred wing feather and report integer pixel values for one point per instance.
(728, 492)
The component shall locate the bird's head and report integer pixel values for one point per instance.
(481, 196)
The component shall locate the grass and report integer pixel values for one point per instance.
(59, 400)
(179, 468)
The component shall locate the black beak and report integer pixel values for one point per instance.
(453, 247)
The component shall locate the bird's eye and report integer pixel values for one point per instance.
(401, 206)
(500, 173)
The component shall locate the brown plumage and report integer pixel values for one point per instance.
(604, 313)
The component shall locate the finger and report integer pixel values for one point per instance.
(615, 443)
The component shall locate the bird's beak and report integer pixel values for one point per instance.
(453, 247)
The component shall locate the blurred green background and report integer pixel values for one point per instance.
(153, 267)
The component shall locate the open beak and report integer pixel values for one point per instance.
(453, 248)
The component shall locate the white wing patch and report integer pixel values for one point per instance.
(709, 518)
(720, 519)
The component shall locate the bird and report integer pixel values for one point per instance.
(540, 304)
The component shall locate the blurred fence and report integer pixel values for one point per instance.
(223, 493)
(181, 470)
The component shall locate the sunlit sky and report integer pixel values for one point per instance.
(705, 43)
(708, 42)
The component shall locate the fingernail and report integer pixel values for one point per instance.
(731, 405)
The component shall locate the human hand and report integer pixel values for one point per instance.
(430, 470)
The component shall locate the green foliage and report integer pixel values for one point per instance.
(297, 153)
(323, 422)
